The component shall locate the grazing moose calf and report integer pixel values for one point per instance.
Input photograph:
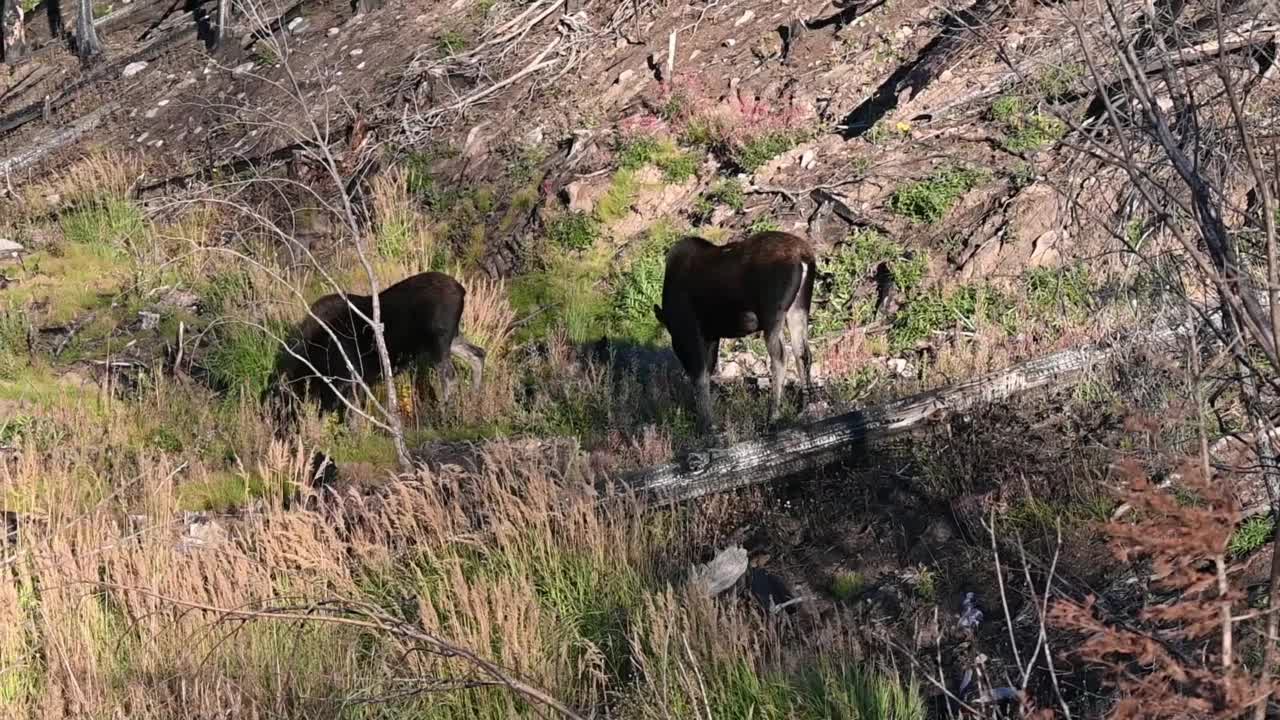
(712, 292)
(420, 315)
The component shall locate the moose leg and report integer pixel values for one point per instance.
(473, 355)
(777, 365)
(798, 330)
(224, 18)
(87, 42)
(713, 356)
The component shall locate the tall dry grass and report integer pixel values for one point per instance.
(112, 602)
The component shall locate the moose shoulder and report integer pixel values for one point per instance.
(335, 347)
(759, 284)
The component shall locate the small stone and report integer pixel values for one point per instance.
(361, 65)
(149, 320)
(624, 77)
(9, 248)
(157, 144)
(747, 17)
(357, 52)
(808, 159)
(151, 113)
(730, 42)
(143, 137)
(332, 31)
(900, 367)
(579, 200)
(133, 68)
(730, 370)
(533, 138)
(295, 24)
(242, 68)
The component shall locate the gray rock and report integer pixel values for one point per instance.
(149, 320)
(133, 68)
(296, 25)
(9, 248)
(721, 573)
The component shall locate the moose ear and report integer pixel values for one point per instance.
(657, 312)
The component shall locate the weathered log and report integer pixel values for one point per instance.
(56, 140)
(797, 450)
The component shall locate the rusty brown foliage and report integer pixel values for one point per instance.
(1174, 658)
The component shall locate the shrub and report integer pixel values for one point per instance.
(928, 200)
(1024, 130)
(848, 267)
(645, 149)
(764, 223)
(1252, 534)
(639, 287)
(1057, 294)
(752, 153)
(573, 231)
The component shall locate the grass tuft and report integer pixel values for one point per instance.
(929, 200)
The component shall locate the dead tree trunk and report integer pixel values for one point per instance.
(797, 450)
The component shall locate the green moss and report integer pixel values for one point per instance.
(928, 200)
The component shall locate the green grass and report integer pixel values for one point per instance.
(224, 492)
(850, 266)
(1252, 535)
(573, 231)
(1059, 294)
(112, 224)
(619, 198)
(641, 150)
(225, 291)
(752, 154)
(243, 357)
(935, 310)
(1024, 129)
(567, 293)
(1057, 81)
(764, 223)
(451, 41)
(929, 200)
(725, 192)
(14, 347)
(846, 585)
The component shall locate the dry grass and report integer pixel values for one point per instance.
(93, 180)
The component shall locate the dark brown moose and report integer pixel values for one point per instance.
(756, 285)
(420, 315)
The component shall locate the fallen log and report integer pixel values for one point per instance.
(793, 451)
(55, 141)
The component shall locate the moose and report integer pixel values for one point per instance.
(712, 292)
(420, 317)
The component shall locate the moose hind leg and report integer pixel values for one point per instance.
(473, 355)
(798, 330)
(777, 366)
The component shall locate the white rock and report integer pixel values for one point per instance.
(9, 248)
(361, 65)
(133, 68)
(294, 24)
(357, 52)
(730, 370)
(332, 31)
(242, 68)
(149, 319)
(807, 159)
(151, 113)
(730, 42)
(747, 17)
(900, 367)
(624, 77)
(143, 137)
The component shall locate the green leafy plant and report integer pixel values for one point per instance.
(1251, 535)
(845, 269)
(1025, 130)
(928, 200)
(638, 288)
(764, 223)
(847, 585)
(752, 153)
(574, 231)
